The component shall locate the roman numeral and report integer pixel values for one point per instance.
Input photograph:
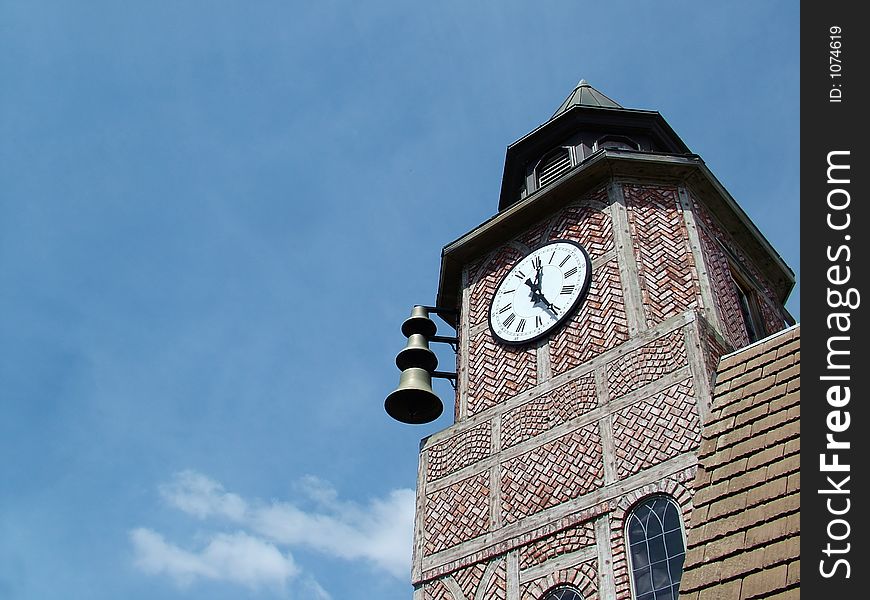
(520, 275)
(509, 291)
(536, 262)
(504, 309)
(507, 322)
(538, 321)
(549, 262)
(564, 260)
(567, 289)
(570, 271)
(521, 325)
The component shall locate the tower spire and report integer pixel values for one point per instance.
(585, 95)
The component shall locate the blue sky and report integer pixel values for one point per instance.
(215, 215)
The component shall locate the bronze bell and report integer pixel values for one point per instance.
(419, 322)
(413, 401)
(416, 353)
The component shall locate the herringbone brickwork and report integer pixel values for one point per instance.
(534, 236)
(646, 364)
(562, 542)
(545, 412)
(724, 294)
(487, 279)
(496, 587)
(470, 578)
(662, 427)
(459, 451)
(436, 590)
(476, 270)
(552, 473)
(497, 372)
(599, 325)
(668, 276)
(457, 513)
(587, 223)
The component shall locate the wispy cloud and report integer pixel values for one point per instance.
(197, 495)
(378, 533)
(237, 558)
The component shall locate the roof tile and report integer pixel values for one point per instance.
(763, 582)
(747, 491)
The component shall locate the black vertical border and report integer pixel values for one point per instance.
(828, 126)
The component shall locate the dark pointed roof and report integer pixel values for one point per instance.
(585, 95)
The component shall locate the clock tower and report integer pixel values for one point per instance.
(591, 312)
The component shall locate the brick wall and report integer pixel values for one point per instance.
(713, 237)
(544, 473)
(668, 276)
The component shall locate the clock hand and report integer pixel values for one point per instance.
(538, 296)
(549, 304)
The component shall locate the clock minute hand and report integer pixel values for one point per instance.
(538, 296)
(549, 304)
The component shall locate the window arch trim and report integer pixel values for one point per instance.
(621, 139)
(563, 592)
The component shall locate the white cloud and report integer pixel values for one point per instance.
(313, 590)
(378, 532)
(197, 495)
(237, 558)
(318, 490)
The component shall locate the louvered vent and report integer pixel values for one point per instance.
(554, 166)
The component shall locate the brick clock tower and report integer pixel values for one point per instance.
(591, 312)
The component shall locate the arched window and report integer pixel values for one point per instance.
(617, 142)
(654, 530)
(563, 592)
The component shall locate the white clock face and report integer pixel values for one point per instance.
(540, 292)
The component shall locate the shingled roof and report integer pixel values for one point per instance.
(744, 538)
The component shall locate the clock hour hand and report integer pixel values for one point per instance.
(538, 296)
